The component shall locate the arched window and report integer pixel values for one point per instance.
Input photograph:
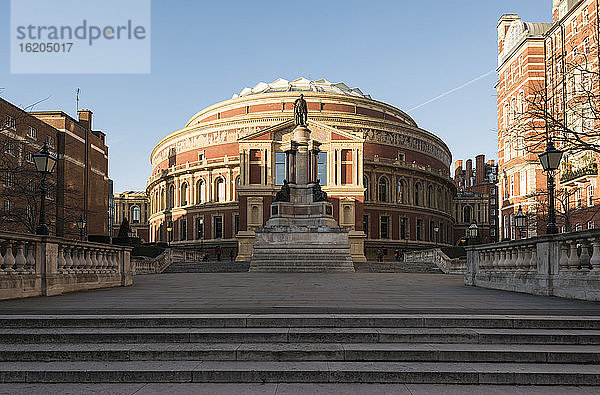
(467, 214)
(171, 197)
(430, 196)
(402, 192)
(163, 203)
(220, 189)
(184, 194)
(383, 189)
(135, 215)
(366, 185)
(418, 194)
(200, 191)
(236, 186)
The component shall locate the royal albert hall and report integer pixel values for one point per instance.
(213, 181)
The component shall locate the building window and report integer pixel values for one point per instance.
(346, 167)
(578, 227)
(31, 133)
(29, 157)
(183, 229)
(401, 157)
(430, 196)
(420, 229)
(255, 166)
(403, 228)
(402, 192)
(236, 224)
(9, 179)
(279, 168)
(171, 196)
(322, 167)
(493, 202)
(493, 221)
(199, 228)
(493, 232)
(220, 189)
(492, 212)
(383, 189)
(467, 214)
(200, 191)
(10, 123)
(417, 194)
(384, 222)
(366, 225)
(135, 215)
(218, 227)
(590, 195)
(201, 156)
(7, 206)
(578, 197)
(493, 191)
(366, 185)
(10, 148)
(184, 194)
(50, 141)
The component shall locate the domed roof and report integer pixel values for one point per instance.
(302, 84)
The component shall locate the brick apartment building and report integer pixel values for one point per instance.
(477, 199)
(132, 205)
(543, 60)
(77, 188)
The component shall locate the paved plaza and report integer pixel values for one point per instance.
(299, 292)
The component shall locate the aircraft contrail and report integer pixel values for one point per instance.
(454, 90)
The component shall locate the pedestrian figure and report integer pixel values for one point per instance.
(231, 255)
(218, 252)
(380, 255)
(397, 255)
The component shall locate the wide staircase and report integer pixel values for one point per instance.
(397, 267)
(207, 267)
(457, 349)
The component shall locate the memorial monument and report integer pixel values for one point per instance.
(301, 234)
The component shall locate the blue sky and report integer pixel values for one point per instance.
(401, 52)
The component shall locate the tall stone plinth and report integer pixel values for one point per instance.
(301, 234)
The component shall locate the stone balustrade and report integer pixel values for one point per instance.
(565, 265)
(42, 265)
(145, 265)
(436, 255)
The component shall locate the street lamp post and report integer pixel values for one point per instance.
(520, 220)
(169, 230)
(81, 222)
(436, 230)
(550, 160)
(44, 164)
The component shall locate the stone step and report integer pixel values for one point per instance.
(293, 372)
(207, 267)
(393, 352)
(301, 320)
(449, 335)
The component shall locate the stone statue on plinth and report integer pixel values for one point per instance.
(284, 193)
(319, 195)
(300, 111)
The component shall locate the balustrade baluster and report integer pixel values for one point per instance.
(69, 258)
(88, 262)
(519, 258)
(1, 260)
(20, 260)
(584, 258)
(532, 264)
(9, 258)
(31, 257)
(494, 260)
(60, 261)
(114, 261)
(563, 262)
(595, 260)
(573, 258)
(95, 263)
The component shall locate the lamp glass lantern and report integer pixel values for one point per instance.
(472, 230)
(520, 219)
(81, 222)
(44, 161)
(550, 159)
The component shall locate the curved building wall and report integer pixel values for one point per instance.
(387, 178)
